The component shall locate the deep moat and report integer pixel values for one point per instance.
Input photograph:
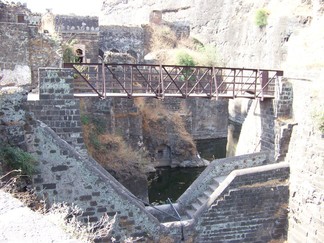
(171, 183)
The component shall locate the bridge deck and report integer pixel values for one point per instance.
(160, 81)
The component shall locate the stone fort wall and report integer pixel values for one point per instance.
(267, 126)
(306, 153)
(64, 174)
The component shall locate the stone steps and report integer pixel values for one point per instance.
(196, 204)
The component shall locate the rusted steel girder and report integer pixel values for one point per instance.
(144, 80)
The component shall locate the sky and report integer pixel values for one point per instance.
(78, 7)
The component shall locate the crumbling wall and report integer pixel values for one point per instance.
(23, 49)
(85, 32)
(78, 32)
(124, 40)
(14, 59)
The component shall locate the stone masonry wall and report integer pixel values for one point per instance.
(257, 132)
(66, 176)
(83, 30)
(43, 53)
(221, 167)
(252, 208)
(14, 57)
(204, 118)
(118, 116)
(266, 127)
(90, 40)
(13, 119)
(23, 49)
(306, 153)
(57, 107)
(124, 40)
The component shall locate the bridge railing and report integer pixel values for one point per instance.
(136, 80)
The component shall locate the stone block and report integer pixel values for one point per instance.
(85, 198)
(49, 186)
(59, 168)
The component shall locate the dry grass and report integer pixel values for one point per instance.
(159, 123)
(162, 38)
(112, 152)
(270, 183)
(165, 48)
(66, 217)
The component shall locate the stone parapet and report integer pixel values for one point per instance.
(220, 167)
(57, 107)
(250, 205)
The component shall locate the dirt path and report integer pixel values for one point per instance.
(18, 223)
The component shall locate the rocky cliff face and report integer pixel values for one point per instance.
(227, 24)
(291, 41)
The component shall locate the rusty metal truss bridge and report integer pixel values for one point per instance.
(161, 81)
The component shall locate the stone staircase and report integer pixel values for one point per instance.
(200, 200)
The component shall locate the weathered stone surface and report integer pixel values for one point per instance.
(13, 119)
(21, 75)
(123, 39)
(14, 58)
(104, 195)
(305, 155)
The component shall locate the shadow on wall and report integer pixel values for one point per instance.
(258, 129)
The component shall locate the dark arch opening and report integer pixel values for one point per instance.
(79, 55)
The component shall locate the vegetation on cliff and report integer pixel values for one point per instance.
(111, 150)
(261, 17)
(166, 47)
(164, 127)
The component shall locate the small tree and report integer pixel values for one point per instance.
(68, 52)
(261, 17)
(184, 59)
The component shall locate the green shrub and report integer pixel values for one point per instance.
(16, 159)
(184, 59)
(85, 119)
(318, 117)
(99, 124)
(94, 141)
(261, 17)
(68, 55)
